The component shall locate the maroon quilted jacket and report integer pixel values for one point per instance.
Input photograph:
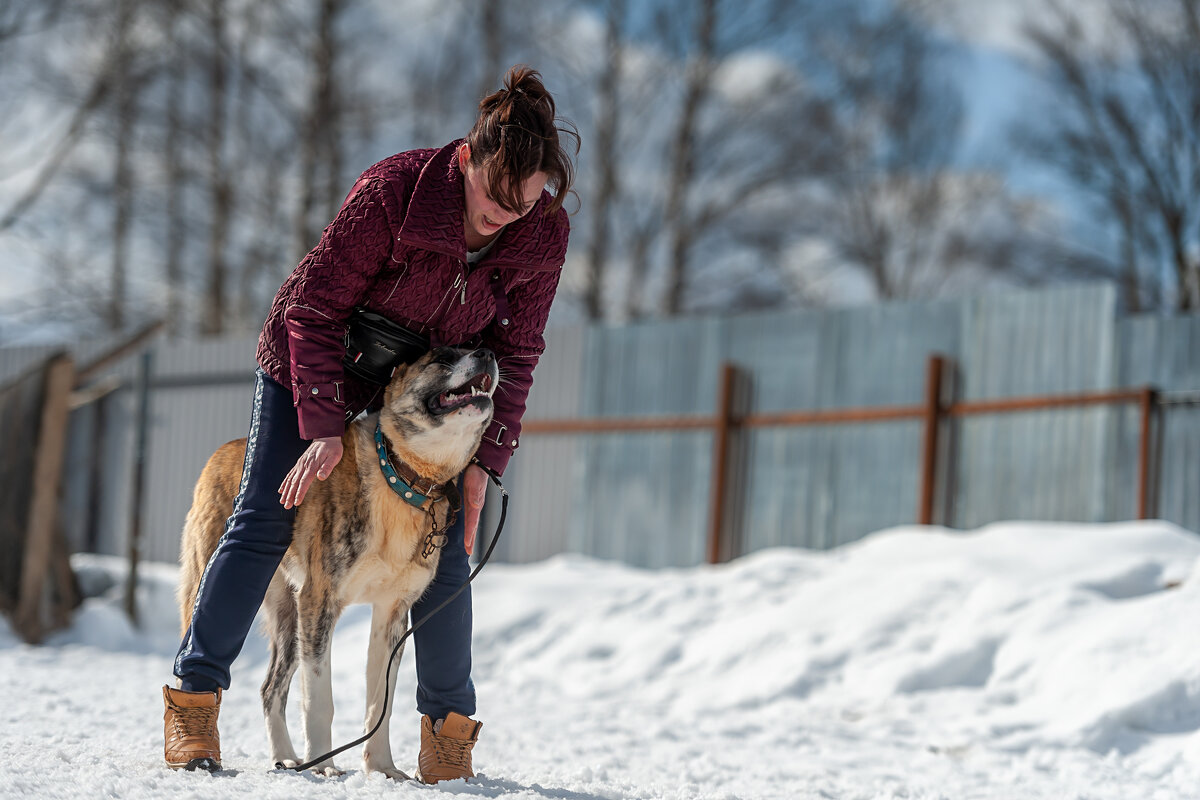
(396, 248)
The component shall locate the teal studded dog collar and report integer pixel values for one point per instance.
(411, 490)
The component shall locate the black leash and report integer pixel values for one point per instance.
(387, 671)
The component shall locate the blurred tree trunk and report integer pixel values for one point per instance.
(173, 169)
(220, 188)
(491, 26)
(247, 154)
(641, 241)
(125, 118)
(319, 132)
(698, 77)
(604, 155)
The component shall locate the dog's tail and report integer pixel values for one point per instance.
(212, 504)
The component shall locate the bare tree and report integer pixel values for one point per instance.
(23, 17)
(319, 128)
(898, 209)
(697, 79)
(604, 156)
(220, 189)
(492, 27)
(743, 127)
(125, 112)
(1125, 128)
(173, 168)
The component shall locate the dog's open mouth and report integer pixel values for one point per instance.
(477, 390)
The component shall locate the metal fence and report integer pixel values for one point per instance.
(645, 497)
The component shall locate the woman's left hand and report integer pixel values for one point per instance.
(474, 493)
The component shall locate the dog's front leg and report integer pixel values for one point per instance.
(317, 617)
(388, 624)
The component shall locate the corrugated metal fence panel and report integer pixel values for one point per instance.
(818, 487)
(643, 498)
(1163, 352)
(786, 487)
(16, 360)
(543, 475)
(1046, 465)
(188, 422)
(882, 359)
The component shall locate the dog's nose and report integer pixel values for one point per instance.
(483, 354)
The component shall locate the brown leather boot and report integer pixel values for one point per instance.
(446, 748)
(190, 729)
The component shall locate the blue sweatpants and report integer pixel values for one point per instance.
(256, 537)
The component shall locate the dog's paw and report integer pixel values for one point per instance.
(327, 769)
(329, 772)
(390, 770)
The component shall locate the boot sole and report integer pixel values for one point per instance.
(203, 764)
(421, 778)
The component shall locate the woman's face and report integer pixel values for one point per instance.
(484, 217)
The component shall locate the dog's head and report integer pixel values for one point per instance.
(436, 409)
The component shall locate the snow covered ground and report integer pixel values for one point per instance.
(1020, 661)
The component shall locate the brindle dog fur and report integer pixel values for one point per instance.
(354, 541)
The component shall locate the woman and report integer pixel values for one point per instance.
(463, 245)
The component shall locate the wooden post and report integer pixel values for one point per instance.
(721, 431)
(43, 504)
(1147, 408)
(933, 418)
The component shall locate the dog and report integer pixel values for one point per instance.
(355, 540)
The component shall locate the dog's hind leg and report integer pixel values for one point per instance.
(318, 613)
(279, 624)
(388, 624)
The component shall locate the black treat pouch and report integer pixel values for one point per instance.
(375, 346)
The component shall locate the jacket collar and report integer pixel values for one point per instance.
(434, 220)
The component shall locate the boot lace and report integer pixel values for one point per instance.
(193, 722)
(456, 752)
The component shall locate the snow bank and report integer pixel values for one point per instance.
(1023, 660)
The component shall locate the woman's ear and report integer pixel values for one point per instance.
(464, 156)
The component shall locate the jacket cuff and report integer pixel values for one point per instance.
(493, 457)
(320, 413)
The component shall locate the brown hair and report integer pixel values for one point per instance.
(516, 135)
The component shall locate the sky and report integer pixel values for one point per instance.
(1022, 661)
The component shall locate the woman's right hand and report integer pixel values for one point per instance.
(318, 462)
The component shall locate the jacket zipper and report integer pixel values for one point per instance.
(449, 293)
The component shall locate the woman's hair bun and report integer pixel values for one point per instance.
(518, 134)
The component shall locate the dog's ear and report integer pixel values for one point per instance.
(396, 384)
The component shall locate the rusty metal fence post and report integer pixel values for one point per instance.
(929, 442)
(722, 428)
(1146, 403)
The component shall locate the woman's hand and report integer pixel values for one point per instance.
(474, 492)
(318, 462)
